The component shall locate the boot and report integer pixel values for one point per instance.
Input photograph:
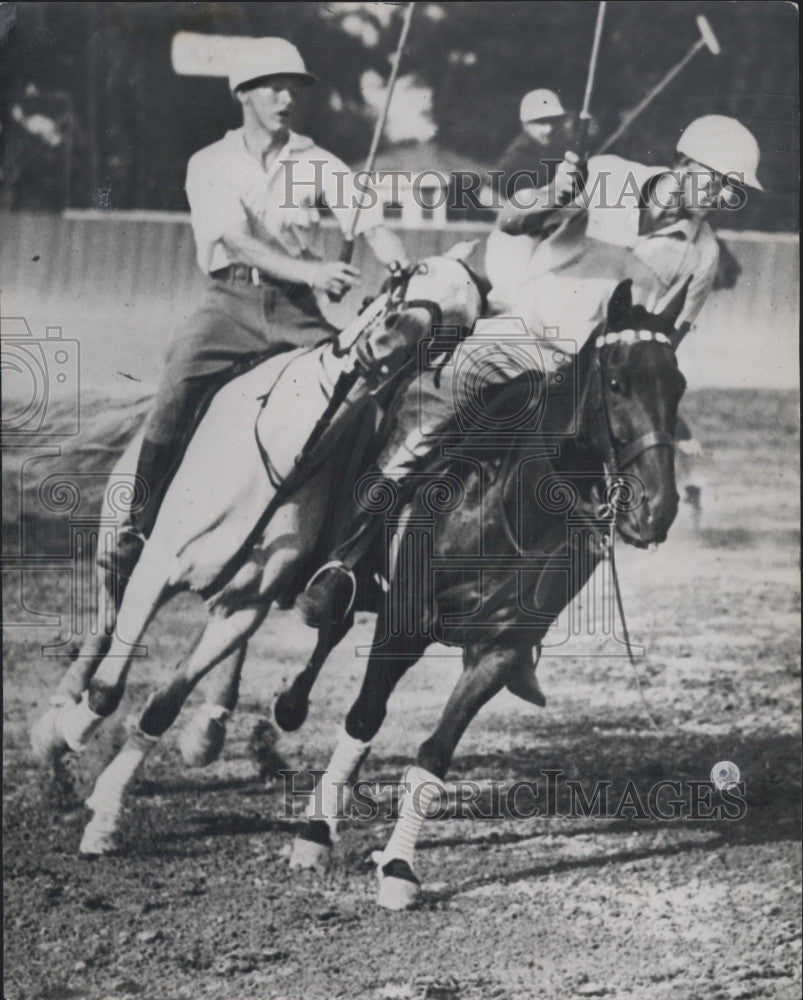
(329, 596)
(154, 466)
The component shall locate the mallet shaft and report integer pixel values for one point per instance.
(380, 125)
(592, 67)
(651, 95)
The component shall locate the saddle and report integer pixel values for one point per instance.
(214, 384)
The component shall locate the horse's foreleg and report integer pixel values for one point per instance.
(223, 633)
(202, 740)
(313, 844)
(292, 705)
(484, 675)
(84, 660)
(46, 745)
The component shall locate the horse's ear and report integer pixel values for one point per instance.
(673, 308)
(620, 305)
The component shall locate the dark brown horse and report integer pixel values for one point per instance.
(495, 544)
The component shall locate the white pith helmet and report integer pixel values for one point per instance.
(540, 104)
(259, 57)
(724, 145)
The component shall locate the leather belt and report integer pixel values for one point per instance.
(251, 275)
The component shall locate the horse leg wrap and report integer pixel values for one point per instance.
(312, 847)
(398, 884)
(47, 741)
(329, 793)
(77, 722)
(106, 801)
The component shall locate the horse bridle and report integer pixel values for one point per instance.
(617, 460)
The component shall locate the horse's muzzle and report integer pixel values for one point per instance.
(650, 523)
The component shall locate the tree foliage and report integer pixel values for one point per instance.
(134, 123)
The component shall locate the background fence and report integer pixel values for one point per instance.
(120, 283)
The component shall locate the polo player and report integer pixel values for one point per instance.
(253, 199)
(626, 220)
(529, 161)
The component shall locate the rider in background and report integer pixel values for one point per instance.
(253, 199)
(541, 143)
(529, 161)
(632, 221)
(626, 220)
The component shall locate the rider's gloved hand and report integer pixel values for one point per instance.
(570, 178)
(333, 277)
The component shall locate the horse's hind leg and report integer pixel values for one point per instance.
(313, 845)
(484, 675)
(202, 740)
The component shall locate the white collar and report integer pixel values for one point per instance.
(296, 143)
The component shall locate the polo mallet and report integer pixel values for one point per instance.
(585, 114)
(707, 40)
(379, 128)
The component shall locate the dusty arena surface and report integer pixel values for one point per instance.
(200, 902)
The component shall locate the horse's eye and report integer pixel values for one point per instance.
(615, 385)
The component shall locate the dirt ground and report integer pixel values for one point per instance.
(200, 902)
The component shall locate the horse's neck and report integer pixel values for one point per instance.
(575, 458)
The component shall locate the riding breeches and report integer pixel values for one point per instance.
(236, 321)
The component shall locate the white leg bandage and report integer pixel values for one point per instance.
(77, 723)
(107, 796)
(330, 792)
(422, 788)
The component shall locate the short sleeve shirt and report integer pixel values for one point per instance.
(227, 186)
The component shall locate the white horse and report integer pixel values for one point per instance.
(233, 534)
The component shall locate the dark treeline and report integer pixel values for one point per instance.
(116, 125)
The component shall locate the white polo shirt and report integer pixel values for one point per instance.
(226, 185)
(573, 272)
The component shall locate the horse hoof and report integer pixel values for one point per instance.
(289, 712)
(398, 886)
(47, 741)
(100, 836)
(312, 849)
(202, 741)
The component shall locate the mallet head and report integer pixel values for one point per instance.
(708, 36)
